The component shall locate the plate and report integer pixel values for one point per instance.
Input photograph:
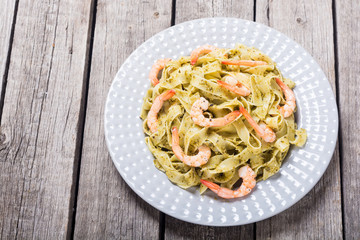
(302, 168)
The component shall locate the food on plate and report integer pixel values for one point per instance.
(218, 116)
(203, 155)
(156, 68)
(158, 102)
(248, 183)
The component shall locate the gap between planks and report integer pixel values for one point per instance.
(337, 95)
(7, 62)
(80, 133)
(162, 218)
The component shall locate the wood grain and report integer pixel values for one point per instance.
(7, 22)
(40, 119)
(189, 10)
(348, 49)
(106, 206)
(318, 214)
(44, 109)
(185, 11)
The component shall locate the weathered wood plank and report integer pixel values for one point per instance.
(185, 11)
(106, 206)
(177, 229)
(318, 214)
(189, 10)
(348, 50)
(40, 118)
(6, 26)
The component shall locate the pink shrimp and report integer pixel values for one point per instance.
(290, 103)
(201, 50)
(194, 161)
(262, 130)
(155, 69)
(249, 182)
(198, 117)
(155, 108)
(233, 85)
(249, 63)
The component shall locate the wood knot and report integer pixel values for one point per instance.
(300, 20)
(156, 14)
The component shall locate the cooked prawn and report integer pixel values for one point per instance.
(249, 182)
(262, 130)
(155, 69)
(155, 108)
(194, 161)
(201, 50)
(233, 85)
(249, 63)
(290, 103)
(197, 116)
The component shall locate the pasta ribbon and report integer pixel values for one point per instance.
(234, 145)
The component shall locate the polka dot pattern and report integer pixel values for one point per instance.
(302, 168)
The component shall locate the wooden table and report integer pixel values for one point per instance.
(57, 61)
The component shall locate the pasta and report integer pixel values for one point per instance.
(233, 145)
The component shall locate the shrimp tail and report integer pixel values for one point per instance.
(193, 161)
(243, 91)
(200, 50)
(155, 108)
(155, 69)
(194, 60)
(233, 115)
(169, 94)
(249, 63)
(250, 119)
(224, 84)
(249, 182)
(280, 83)
(212, 186)
(266, 133)
(290, 104)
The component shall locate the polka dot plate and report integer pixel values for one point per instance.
(302, 168)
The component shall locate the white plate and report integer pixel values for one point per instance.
(302, 168)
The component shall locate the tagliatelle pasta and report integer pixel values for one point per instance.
(233, 145)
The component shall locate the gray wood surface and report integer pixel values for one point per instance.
(52, 120)
(185, 11)
(6, 26)
(40, 119)
(318, 214)
(107, 207)
(348, 50)
(189, 10)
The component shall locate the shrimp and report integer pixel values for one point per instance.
(249, 63)
(201, 50)
(197, 116)
(262, 130)
(234, 85)
(193, 161)
(249, 182)
(155, 108)
(290, 103)
(155, 69)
